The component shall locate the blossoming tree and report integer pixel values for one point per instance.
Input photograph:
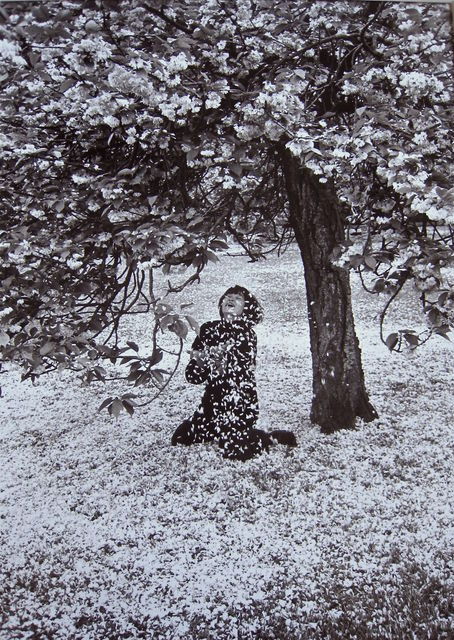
(137, 135)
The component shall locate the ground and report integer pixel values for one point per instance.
(106, 531)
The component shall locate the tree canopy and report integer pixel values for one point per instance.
(138, 136)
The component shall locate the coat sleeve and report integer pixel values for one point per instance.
(196, 373)
(246, 351)
(241, 359)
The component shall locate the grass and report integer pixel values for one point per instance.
(108, 532)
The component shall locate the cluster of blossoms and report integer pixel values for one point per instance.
(9, 53)
(419, 84)
(136, 83)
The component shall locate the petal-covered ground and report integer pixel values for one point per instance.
(109, 532)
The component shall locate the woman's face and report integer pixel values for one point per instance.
(232, 305)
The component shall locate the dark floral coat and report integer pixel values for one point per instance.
(229, 408)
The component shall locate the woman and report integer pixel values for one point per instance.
(223, 356)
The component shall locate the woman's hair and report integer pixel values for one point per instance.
(253, 311)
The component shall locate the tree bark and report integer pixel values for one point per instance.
(339, 391)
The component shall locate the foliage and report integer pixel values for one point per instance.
(135, 136)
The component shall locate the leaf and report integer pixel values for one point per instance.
(434, 317)
(116, 407)
(161, 309)
(143, 378)
(283, 26)
(59, 205)
(212, 256)
(19, 338)
(132, 345)
(183, 42)
(193, 324)
(442, 331)
(83, 287)
(128, 406)
(96, 325)
(218, 244)
(47, 348)
(370, 262)
(135, 374)
(236, 169)
(391, 341)
(192, 154)
(124, 173)
(300, 73)
(41, 14)
(67, 84)
(100, 372)
(157, 375)
(156, 357)
(412, 339)
(167, 320)
(180, 328)
(105, 403)
(356, 260)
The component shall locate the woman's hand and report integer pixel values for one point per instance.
(212, 357)
(198, 356)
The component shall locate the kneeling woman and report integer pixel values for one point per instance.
(223, 356)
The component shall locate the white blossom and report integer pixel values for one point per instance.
(213, 100)
(9, 52)
(418, 83)
(37, 213)
(111, 121)
(80, 179)
(177, 63)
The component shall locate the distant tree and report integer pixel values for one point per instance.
(138, 136)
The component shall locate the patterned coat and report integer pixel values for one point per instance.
(229, 408)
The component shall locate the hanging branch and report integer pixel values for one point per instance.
(170, 376)
(389, 302)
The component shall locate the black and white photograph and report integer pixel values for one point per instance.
(226, 320)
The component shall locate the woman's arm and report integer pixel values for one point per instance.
(245, 350)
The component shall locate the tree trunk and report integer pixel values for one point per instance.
(339, 391)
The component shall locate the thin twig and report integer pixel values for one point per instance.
(144, 404)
